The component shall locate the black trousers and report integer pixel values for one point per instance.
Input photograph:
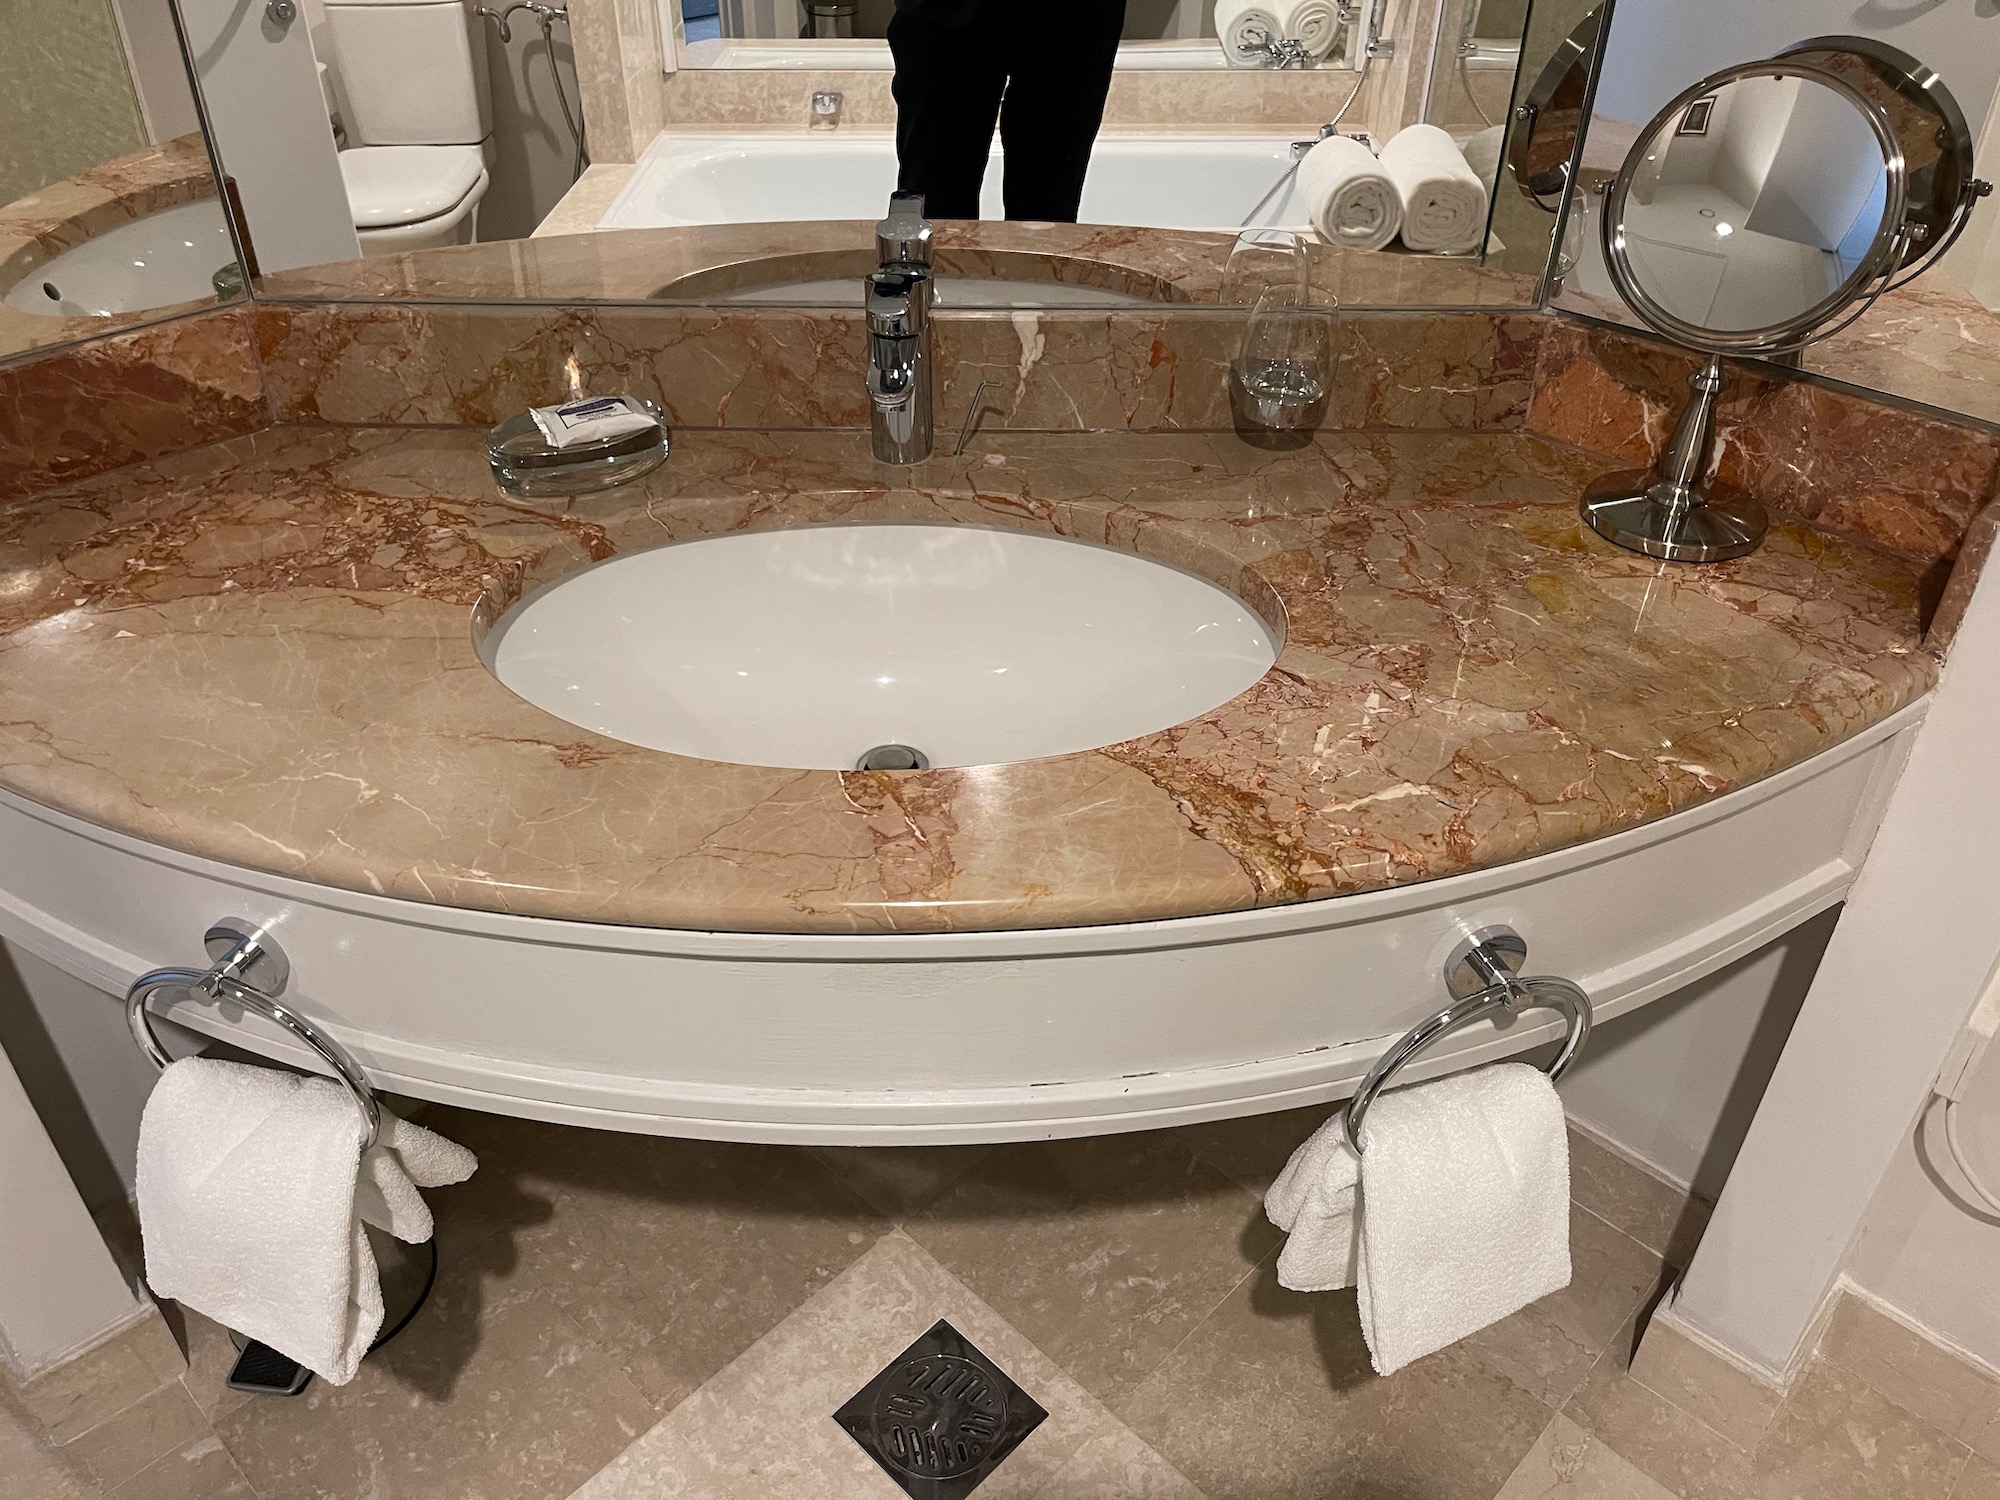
(1042, 72)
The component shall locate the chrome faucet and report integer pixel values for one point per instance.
(1275, 51)
(898, 299)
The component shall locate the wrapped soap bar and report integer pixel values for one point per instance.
(591, 419)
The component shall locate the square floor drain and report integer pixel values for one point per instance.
(941, 1417)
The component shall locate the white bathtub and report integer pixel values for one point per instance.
(1155, 181)
(1179, 55)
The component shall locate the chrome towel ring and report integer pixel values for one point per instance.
(1480, 976)
(250, 970)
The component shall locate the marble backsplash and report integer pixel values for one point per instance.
(1902, 479)
(100, 405)
(1905, 480)
(1149, 369)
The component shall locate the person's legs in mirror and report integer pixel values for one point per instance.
(1059, 74)
(950, 73)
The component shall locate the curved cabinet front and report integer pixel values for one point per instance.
(926, 1039)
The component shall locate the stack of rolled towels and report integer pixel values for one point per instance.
(1420, 187)
(1247, 27)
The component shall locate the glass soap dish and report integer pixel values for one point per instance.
(526, 464)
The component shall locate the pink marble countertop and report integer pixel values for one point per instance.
(261, 652)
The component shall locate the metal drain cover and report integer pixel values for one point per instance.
(941, 1417)
(893, 757)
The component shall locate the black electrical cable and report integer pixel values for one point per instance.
(430, 1280)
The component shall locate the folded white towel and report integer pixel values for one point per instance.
(252, 1192)
(1465, 1193)
(1313, 1202)
(1244, 27)
(1351, 200)
(1444, 202)
(1315, 23)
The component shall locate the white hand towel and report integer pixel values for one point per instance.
(1313, 1201)
(1352, 201)
(1315, 23)
(1465, 1188)
(252, 1192)
(1444, 202)
(1245, 27)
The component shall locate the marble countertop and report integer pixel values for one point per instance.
(261, 652)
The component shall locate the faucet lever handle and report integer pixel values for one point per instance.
(904, 237)
(895, 303)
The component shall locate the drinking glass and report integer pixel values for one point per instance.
(1265, 260)
(1281, 379)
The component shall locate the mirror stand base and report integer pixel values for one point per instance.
(1644, 512)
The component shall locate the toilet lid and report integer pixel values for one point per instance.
(389, 185)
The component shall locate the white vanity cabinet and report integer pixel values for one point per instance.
(933, 1038)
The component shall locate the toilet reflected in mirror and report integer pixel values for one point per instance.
(407, 81)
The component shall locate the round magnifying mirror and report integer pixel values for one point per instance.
(1755, 207)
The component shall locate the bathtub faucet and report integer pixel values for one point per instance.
(900, 368)
(1275, 51)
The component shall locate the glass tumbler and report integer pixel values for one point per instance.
(1265, 260)
(1280, 381)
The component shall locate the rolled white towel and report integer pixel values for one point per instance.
(1444, 202)
(1482, 153)
(1244, 27)
(1315, 23)
(1352, 201)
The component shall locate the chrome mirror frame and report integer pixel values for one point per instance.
(1675, 511)
(1877, 264)
(1937, 141)
(1567, 80)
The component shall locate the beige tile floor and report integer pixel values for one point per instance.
(623, 1318)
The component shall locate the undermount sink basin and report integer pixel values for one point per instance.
(161, 260)
(808, 648)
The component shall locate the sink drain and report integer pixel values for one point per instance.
(941, 1417)
(893, 758)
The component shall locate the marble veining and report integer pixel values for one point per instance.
(1899, 478)
(132, 396)
(1066, 370)
(261, 651)
(1929, 342)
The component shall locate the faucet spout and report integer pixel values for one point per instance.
(897, 297)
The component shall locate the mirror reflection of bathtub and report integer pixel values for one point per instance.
(1180, 56)
(1209, 180)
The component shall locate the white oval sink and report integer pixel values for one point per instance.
(158, 261)
(808, 648)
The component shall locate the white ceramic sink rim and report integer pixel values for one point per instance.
(162, 259)
(804, 647)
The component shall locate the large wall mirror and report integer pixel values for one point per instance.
(706, 150)
(1748, 206)
(740, 150)
(109, 212)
